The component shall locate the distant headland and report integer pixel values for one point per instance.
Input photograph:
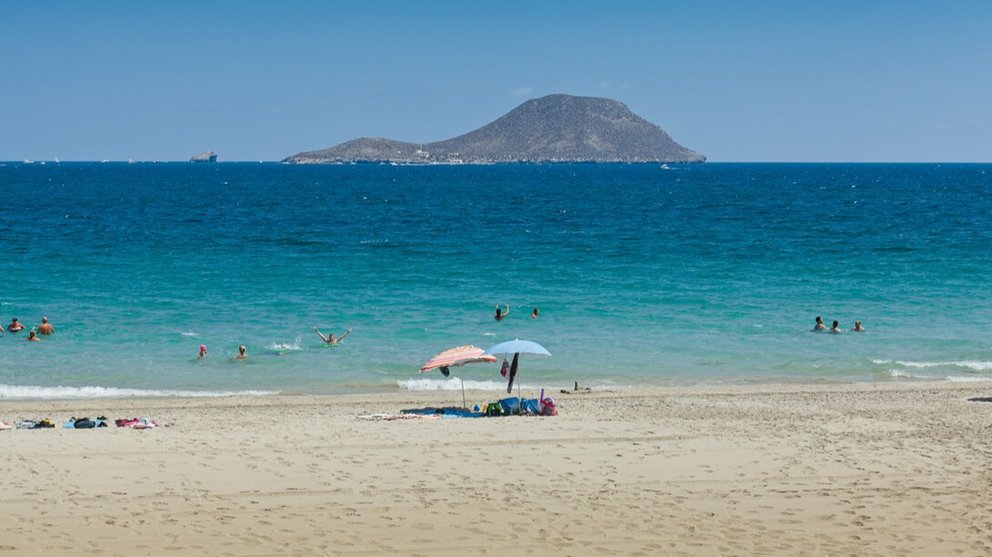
(555, 128)
(206, 156)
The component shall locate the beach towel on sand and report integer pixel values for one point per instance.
(136, 423)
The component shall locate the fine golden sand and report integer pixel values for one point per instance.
(893, 469)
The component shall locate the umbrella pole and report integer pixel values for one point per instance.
(520, 401)
(465, 406)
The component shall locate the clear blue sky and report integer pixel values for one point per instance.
(737, 81)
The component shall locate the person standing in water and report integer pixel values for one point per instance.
(14, 326)
(242, 353)
(819, 325)
(330, 338)
(535, 314)
(835, 328)
(33, 337)
(500, 315)
(857, 327)
(203, 351)
(45, 328)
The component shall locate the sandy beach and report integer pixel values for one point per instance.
(878, 469)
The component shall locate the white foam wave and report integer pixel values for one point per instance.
(188, 334)
(450, 384)
(906, 375)
(967, 379)
(15, 392)
(295, 345)
(974, 365)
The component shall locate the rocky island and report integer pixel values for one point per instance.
(555, 128)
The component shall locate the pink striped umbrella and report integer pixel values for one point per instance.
(458, 357)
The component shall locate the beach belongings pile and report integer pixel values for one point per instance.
(505, 407)
(81, 423)
(34, 424)
(527, 406)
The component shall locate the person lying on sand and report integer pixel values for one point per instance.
(330, 338)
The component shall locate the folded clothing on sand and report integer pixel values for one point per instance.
(34, 424)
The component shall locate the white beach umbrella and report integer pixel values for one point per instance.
(517, 347)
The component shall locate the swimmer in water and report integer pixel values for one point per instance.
(835, 328)
(45, 328)
(819, 325)
(33, 337)
(242, 353)
(330, 338)
(535, 314)
(203, 351)
(857, 327)
(14, 326)
(500, 315)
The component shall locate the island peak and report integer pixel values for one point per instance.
(552, 128)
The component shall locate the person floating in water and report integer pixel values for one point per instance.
(45, 328)
(500, 315)
(835, 328)
(14, 326)
(33, 337)
(330, 338)
(242, 353)
(535, 314)
(857, 327)
(819, 325)
(203, 351)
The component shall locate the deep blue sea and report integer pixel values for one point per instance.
(706, 273)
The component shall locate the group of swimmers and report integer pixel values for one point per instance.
(501, 315)
(243, 350)
(15, 326)
(835, 327)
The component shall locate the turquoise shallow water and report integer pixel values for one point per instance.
(703, 273)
